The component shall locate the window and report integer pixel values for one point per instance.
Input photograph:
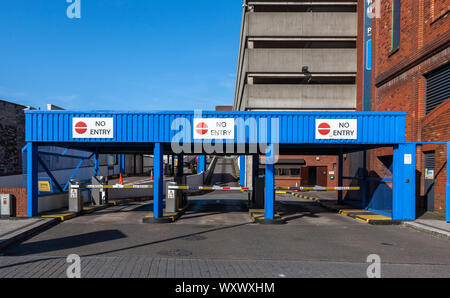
(437, 87)
(396, 6)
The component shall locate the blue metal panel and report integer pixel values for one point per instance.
(151, 127)
(158, 182)
(404, 185)
(447, 207)
(32, 180)
(242, 169)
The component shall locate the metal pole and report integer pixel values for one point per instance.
(158, 182)
(96, 164)
(32, 180)
(201, 164)
(364, 181)
(269, 190)
(242, 169)
(122, 164)
(340, 174)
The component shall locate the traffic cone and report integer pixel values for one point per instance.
(151, 175)
(121, 180)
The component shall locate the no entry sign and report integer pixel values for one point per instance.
(336, 129)
(214, 129)
(93, 128)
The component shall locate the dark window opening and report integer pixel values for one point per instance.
(437, 87)
(396, 6)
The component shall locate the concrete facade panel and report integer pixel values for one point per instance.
(309, 24)
(292, 60)
(301, 96)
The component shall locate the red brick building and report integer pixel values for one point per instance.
(410, 72)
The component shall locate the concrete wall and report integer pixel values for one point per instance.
(339, 97)
(62, 176)
(292, 60)
(310, 24)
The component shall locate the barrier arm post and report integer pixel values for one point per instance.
(447, 192)
(158, 182)
(32, 179)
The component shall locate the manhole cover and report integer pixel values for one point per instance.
(195, 238)
(175, 253)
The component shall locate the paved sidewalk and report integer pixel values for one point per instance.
(15, 230)
(150, 267)
(436, 227)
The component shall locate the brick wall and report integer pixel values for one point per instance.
(399, 83)
(20, 198)
(12, 137)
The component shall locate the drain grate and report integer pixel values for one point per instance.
(175, 253)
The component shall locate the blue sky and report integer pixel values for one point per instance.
(121, 54)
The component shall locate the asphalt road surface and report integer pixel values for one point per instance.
(216, 238)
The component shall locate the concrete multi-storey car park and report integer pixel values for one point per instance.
(298, 56)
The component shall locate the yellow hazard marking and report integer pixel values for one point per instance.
(44, 186)
(62, 217)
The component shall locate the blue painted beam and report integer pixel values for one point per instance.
(447, 192)
(269, 196)
(158, 182)
(242, 169)
(49, 173)
(201, 164)
(32, 180)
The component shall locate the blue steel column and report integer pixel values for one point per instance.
(122, 164)
(364, 181)
(173, 165)
(242, 169)
(158, 182)
(180, 166)
(201, 164)
(255, 170)
(96, 164)
(447, 207)
(340, 175)
(269, 189)
(32, 180)
(404, 182)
